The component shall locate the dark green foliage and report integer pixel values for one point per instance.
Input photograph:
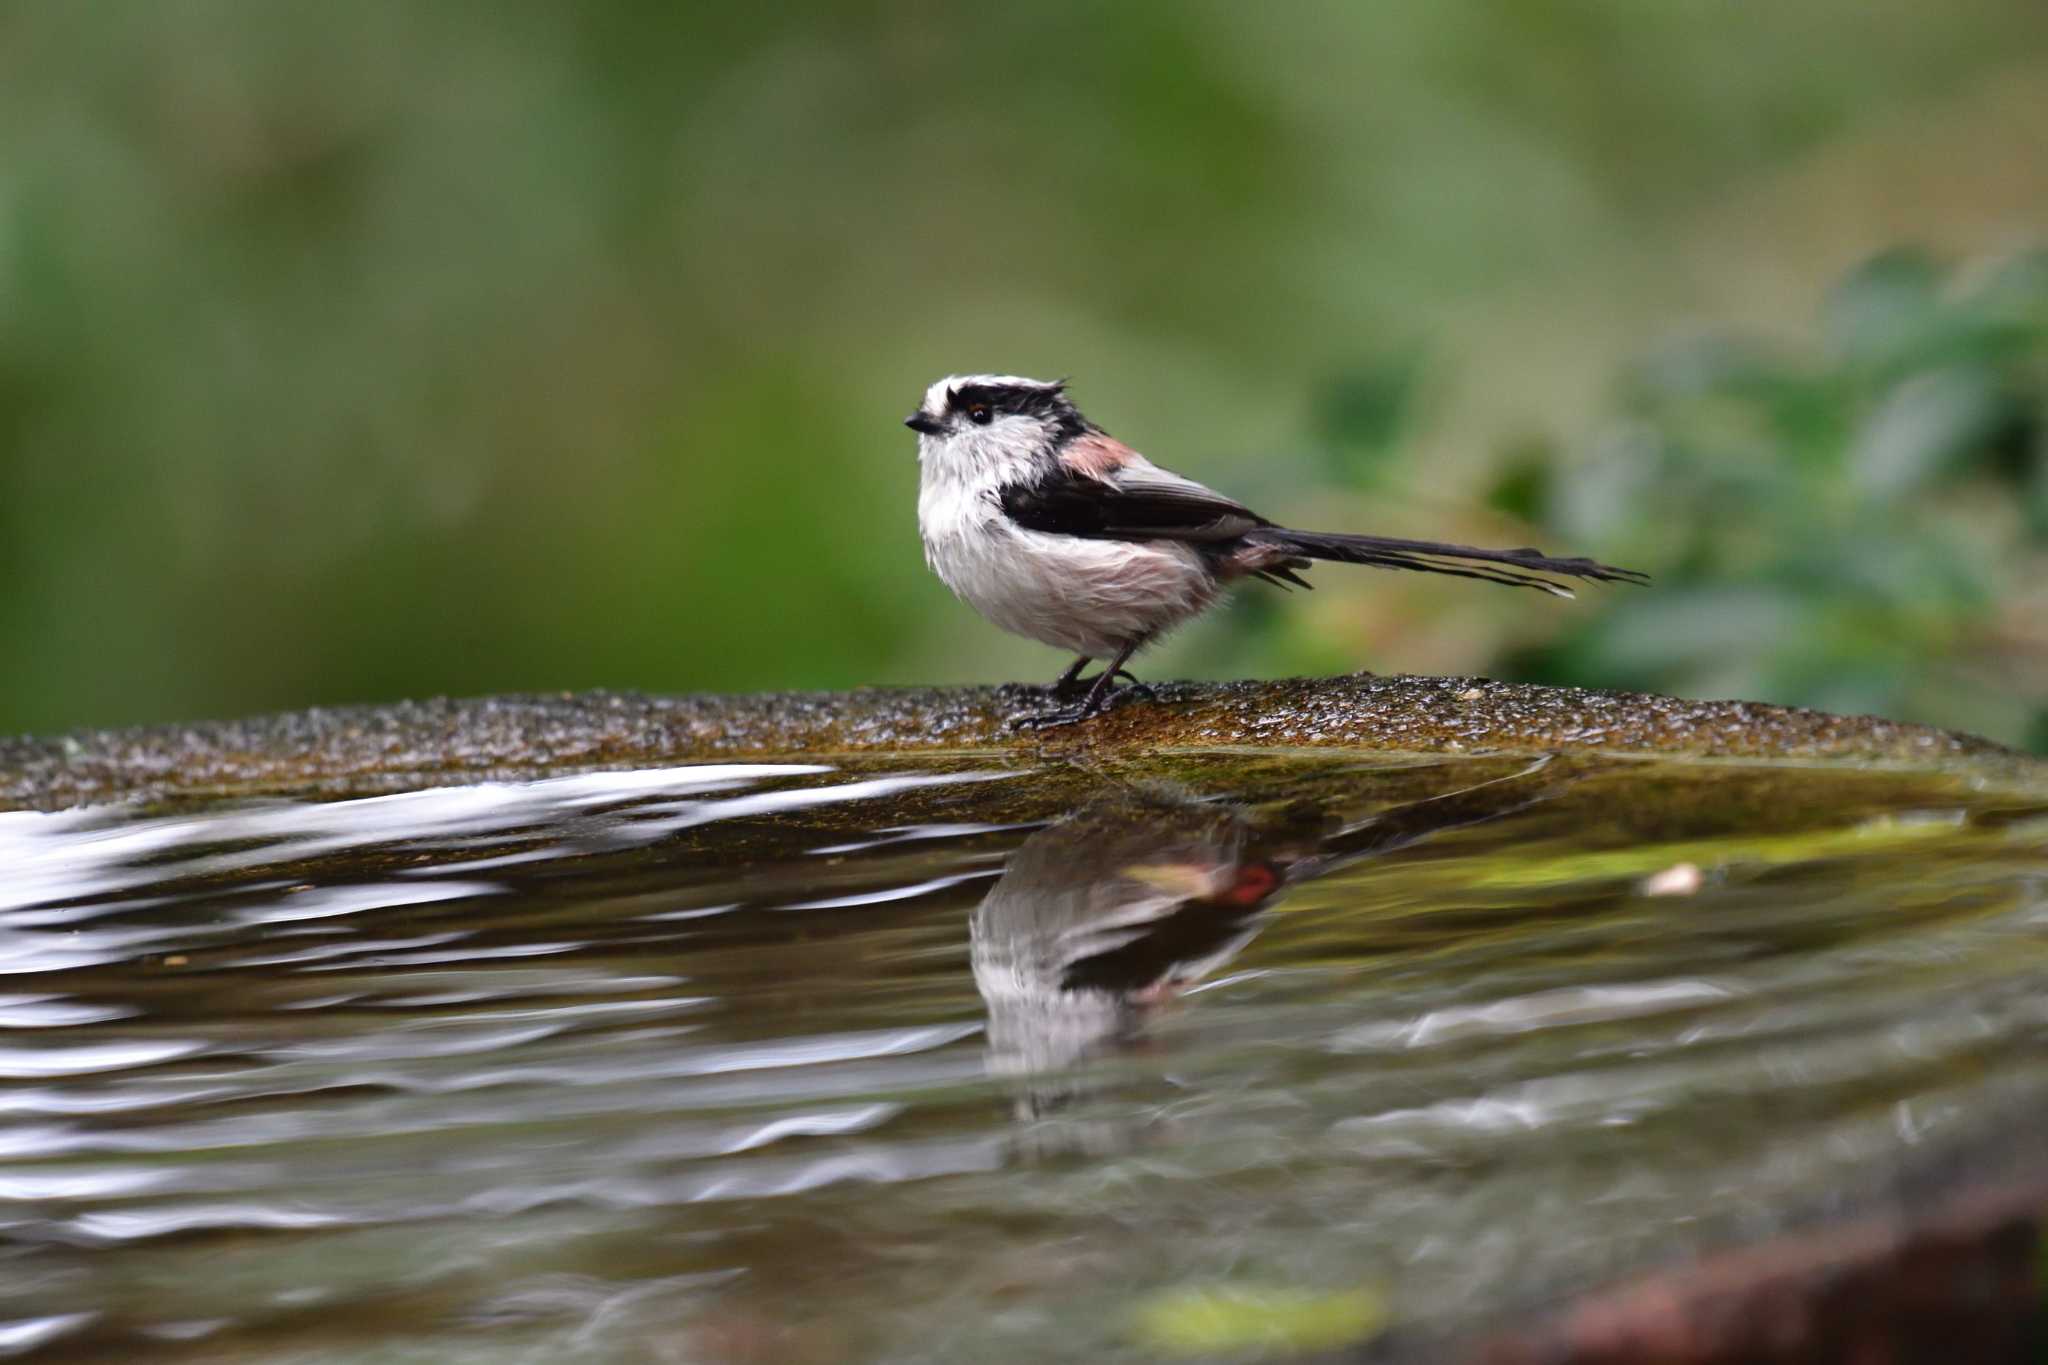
(1856, 525)
(386, 349)
(1362, 414)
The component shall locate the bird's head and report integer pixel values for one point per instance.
(970, 424)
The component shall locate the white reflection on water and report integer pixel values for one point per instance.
(1541, 1009)
(324, 902)
(54, 1011)
(814, 1125)
(71, 869)
(23, 1063)
(818, 1049)
(894, 893)
(45, 1101)
(70, 855)
(690, 814)
(123, 1225)
(734, 1178)
(906, 834)
(81, 1182)
(25, 1334)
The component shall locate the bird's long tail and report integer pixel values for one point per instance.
(1516, 568)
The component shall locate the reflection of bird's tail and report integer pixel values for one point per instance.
(1521, 568)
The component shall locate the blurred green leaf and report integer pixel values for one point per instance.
(1831, 531)
(2036, 491)
(1882, 307)
(1700, 364)
(1526, 483)
(1677, 627)
(2015, 291)
(1361, 415)
(1220, 1319)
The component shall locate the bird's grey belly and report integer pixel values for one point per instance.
(1087, 596)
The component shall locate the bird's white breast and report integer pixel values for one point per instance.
(1086, 596)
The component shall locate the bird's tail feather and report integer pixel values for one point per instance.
(1517, 568)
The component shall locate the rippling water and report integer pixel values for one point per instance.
(964, 1060)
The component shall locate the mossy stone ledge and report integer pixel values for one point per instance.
(385, 747)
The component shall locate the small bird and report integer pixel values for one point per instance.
(1053, 529)
(1123, 904)
(1108, 912)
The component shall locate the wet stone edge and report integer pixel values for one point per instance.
(384, 747)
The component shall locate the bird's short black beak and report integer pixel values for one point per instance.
(923, 423)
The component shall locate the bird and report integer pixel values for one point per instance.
(1053, 529)
(1110, 911)
(1121, 905)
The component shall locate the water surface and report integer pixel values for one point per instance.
(970, 1058)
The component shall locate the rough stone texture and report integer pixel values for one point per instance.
(1963, 1279)
(381, 747)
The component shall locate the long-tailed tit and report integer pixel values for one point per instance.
(1053, 529)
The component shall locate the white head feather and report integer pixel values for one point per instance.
(1009, 448)
(935, 397)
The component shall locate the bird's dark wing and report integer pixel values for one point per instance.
(1117, 494)
(1138, 501)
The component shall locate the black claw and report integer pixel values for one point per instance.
(1080, 687)
(1071, 715)
(1097, 698)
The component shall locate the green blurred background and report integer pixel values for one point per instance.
(352, 352)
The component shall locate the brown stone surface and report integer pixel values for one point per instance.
(1964, 1282)
(381, 747)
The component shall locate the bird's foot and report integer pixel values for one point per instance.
(1134, 688)
(1082, 710)
(1068, 688)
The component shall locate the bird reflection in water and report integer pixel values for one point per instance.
(1111, 912)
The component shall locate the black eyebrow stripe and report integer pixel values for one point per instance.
(1016, 396)
(979, 393)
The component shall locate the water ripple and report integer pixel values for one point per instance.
(623, 1065)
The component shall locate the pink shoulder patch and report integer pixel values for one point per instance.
(1096, 455)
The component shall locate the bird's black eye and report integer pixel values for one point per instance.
(979, 414)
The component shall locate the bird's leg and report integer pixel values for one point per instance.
(1097, 698)
(1067, 685)
(1070, 681)
(1072, 684)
